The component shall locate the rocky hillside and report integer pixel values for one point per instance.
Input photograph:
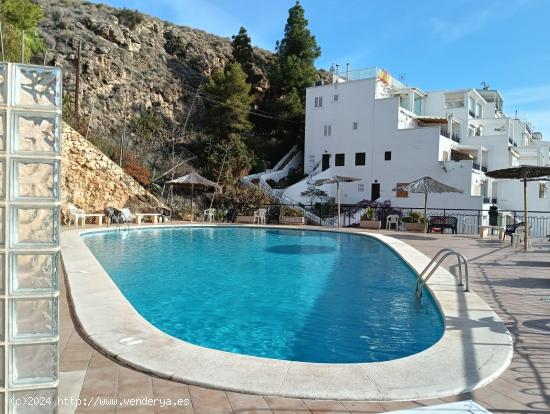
(140, 59)
(91, 181)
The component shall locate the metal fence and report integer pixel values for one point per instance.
(468, 221)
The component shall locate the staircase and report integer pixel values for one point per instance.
(279, 172)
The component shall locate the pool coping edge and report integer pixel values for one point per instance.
(474, 349)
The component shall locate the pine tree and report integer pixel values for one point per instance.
(244, 55)
(296, 53)
(20, 16)
(292, 71)
(227, 123)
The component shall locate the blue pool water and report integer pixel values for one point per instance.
(286, 294)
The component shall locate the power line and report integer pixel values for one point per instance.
(249, 111)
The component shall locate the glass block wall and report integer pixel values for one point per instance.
(30, 122)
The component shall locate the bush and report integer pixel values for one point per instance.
(368, 215)
(413, 217)
(129, 18)
(136, 169)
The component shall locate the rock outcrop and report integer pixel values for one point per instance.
(153, 64)
(91, 181)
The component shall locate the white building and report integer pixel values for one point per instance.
(368, 125)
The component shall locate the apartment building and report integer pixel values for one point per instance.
(368, 125)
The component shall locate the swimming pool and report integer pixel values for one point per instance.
(296, 295)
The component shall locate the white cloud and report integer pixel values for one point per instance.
(451, 30)
(527, 95)
(539, 118)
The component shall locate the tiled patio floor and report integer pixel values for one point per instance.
(515, 284)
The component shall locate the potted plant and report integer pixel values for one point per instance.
(368, 220)
(292, 216)
(413, 221)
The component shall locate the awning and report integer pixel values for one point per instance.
(433, 119)
(457, 154)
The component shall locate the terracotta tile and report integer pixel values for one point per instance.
(248, 404)
(207, 401)
(286, 405)
(325, 407)
(362, 406)
(175, 392)
(100, 381)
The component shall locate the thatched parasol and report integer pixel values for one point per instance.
(337, 179)
(427, 185)
(525, 173)
(193, 179)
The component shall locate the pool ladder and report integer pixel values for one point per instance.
(442, 255)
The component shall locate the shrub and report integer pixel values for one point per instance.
(136, 169)
(129, 18)
(368, 215)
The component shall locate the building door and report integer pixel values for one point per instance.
(375, 191)
(326, 162)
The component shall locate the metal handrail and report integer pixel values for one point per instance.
(442, 255)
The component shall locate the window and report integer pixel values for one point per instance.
(542, 190)
(478, 111)
(318, 102)
(336, 98)
(328, 130)
(360, 158)
(361, 188)
(387, 156)
(400, 193)
(355, 125)
(339, 160)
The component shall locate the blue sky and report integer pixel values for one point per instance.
(435, 44)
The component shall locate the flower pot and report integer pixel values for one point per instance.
(245, 219)
(414, 227)
(370, 224)
(293, 220)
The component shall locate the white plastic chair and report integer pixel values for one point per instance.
(126, 216)
(209, 214)
(392, 219)
(260, 215)
(519, 236)
(75, 214)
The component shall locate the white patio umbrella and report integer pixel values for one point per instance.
(337, 179)
(427, 185)
(193, 179)
(524, 173)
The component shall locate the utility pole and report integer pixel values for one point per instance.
(22, 46)
(77, 86)
(126, 99)
(183, 133)
(2, 41)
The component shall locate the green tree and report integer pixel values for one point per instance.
(244, 55)
(20, 16)
(292, 71)
(294, 68)
(227, 123)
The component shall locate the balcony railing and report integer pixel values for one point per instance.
(445, 133)
(510, 141)
(456, 138)
(472, 113)
(484, 168)
(476, 166)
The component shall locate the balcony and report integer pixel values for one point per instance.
(456, 138)
(484, 168)
(475, 166)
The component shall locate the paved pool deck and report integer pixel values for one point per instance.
(515, 284)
